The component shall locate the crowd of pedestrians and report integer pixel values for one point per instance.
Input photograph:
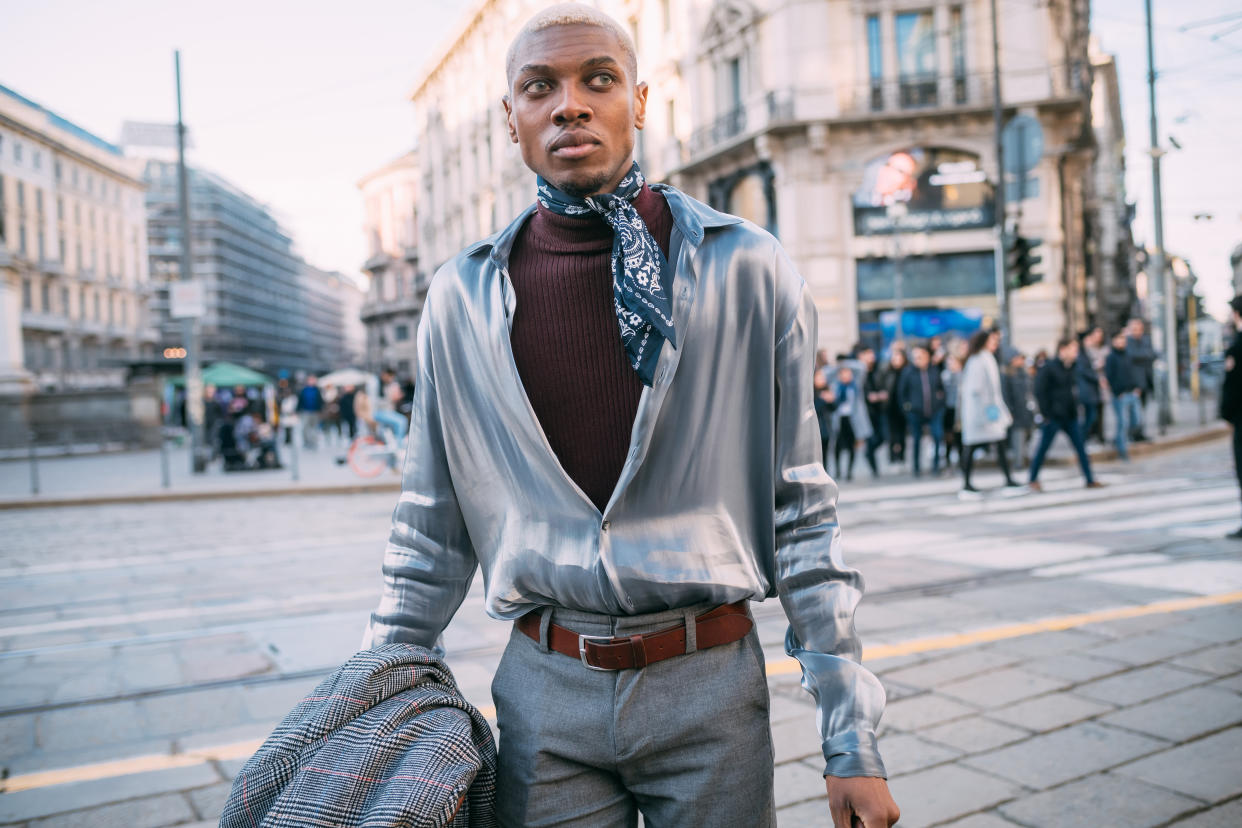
(975, 396)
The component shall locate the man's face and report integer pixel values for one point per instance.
(1069, 353)
(1135, 328)
(867, 358)
(920, 358)
(1119, 341)
(573, 107)
(1094, 338)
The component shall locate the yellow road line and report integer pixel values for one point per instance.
(1061, 622)
(243, 750)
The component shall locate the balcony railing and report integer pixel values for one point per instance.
(914, 93)
(776, 107)
(917, 91)
(727, 126)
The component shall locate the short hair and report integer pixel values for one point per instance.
(1065, 342)
(572, 14)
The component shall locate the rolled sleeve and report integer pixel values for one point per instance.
(817, 590)
(429, 560)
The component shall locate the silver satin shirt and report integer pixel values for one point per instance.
(723, 495)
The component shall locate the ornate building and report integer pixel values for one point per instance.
(73, 254)
(858, 131)
(394, 299)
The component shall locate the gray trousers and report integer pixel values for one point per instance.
(686, 741)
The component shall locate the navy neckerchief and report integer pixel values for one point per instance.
(641, 278)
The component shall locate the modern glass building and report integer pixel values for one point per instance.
(257, 309)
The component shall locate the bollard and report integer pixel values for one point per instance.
(165, 477)
(34, 465)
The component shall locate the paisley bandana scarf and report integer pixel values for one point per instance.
(641, 278)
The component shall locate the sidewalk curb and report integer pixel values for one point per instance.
(1203, 435)
(222, 494)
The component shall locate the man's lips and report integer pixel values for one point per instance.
(574, 145)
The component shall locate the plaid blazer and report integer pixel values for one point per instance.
(385, 741)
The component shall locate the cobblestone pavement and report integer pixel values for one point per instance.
(1061, 659)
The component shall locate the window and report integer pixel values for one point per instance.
(957, 42)
(45, 297)
(37, 159)
(735, 83)
(875, 61)
(27, 301)
(97, 307)
(916, 58)
(401, 333)
(82, 302)
(64, 301)
(56, 164)
(60, 208)
(75, 178)
(17, 151)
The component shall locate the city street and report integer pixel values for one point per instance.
(1058, 659)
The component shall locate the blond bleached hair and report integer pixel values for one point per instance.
(572, 14)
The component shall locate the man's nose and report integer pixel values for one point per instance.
(571, 106)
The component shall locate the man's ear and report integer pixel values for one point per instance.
(640, 105)
(508, 105)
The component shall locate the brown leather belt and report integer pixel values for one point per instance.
(723, 625)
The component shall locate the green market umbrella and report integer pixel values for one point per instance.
(227, 375)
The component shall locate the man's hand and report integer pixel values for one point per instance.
(861, 801)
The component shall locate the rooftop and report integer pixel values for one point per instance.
(64, 123)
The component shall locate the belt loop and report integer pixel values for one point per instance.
(692, 632)
(545, 621)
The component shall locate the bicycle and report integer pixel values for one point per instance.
(369, 454)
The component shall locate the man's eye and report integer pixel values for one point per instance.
(537, 87)
(602, 79)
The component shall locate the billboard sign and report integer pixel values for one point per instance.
(923, 189)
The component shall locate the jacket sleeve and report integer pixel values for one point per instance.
(429, 560)
(1043, 394)
(817, 590)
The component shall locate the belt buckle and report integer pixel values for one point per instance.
(582, 654)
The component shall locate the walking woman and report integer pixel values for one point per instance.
(985, 419)
(896, 415)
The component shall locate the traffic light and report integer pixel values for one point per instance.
(1021, 257)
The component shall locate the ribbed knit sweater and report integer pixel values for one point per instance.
(567, 343)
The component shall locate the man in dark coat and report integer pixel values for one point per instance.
(921, 393)
(1143, 358)
(1088, 379)
(1124, 381)
(1231, 393)
(1056, 391)
(875, 392)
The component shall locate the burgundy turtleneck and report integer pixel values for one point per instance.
(567, 344)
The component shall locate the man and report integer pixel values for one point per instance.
(576, 435)
(310, 409)
(922, 398)
(1231, 393)
(1123, 383)
(1143, 357)
(386, 402)
(1056, 387)
(1088, 379)
(875, 394)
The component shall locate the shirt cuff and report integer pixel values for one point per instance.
(853, 754)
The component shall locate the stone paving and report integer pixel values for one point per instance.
(160, 630)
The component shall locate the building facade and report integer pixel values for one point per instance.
(333, 307)
(860, 132)
(397, 287)
(256, 302)
(74, 283)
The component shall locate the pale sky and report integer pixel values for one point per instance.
(294, 101)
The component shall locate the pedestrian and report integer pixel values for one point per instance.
(824, 400)
(894, 413)
(850, 422)
(950, 378)
(1124, 379)
(875, 396)
(1016, 388)
(617, 534)
(385, 405)
(922, 399)
(1097, 348)
(1231, 393)
(1056, 391)
(1088, 379)
(310, 408)
(349, 417)
(981, 405)
(1143, 357)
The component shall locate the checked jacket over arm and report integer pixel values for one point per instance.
(723, 495)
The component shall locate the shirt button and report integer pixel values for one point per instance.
(605, 525)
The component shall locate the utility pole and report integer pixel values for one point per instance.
(998, 125)
(189, 324)
(1164, 319)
